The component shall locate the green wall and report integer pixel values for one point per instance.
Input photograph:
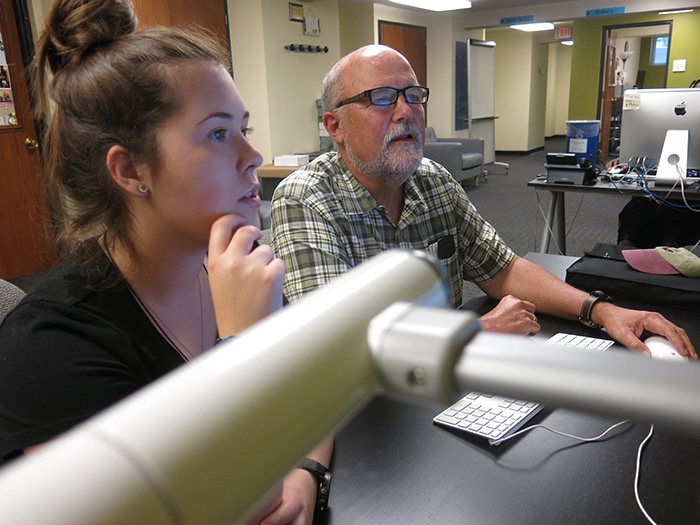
(655, 75)
(585, 62)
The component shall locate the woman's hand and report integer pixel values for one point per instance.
(246, 283)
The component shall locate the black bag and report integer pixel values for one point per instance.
(604, 268)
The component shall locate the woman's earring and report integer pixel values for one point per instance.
(143, 189)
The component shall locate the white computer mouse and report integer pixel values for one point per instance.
(661, 348)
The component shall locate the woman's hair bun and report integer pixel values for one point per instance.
(75, 29)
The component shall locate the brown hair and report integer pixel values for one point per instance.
(111, 85)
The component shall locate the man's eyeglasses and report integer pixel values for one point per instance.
(386, 96)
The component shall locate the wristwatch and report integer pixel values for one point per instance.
(323, 478)
(587, 308)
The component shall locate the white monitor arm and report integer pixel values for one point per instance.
(204, 444)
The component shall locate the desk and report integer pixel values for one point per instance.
(394, 466)
(270, 175)
(556, 211)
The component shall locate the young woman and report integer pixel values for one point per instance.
(155, 197)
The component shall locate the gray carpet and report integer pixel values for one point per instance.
(517, 212)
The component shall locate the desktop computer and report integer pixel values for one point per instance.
(662, 127)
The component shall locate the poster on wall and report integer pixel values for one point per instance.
(8, 116)
(312, 25)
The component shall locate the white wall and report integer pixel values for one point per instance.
(356, 27)
(532, 89)
(552, 69)
(245, 20)
(294, 79)
(513, 68)
(280, 86)
(563, 88)
(538, 96)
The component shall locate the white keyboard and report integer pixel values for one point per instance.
(494, 417)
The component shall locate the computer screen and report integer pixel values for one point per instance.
(647, 114)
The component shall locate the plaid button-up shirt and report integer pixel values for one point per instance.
(324, 222)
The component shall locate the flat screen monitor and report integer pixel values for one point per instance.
(647, 115)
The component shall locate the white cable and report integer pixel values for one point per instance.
(560, 433)
(685, 200)
(598, 438)
(636, 476)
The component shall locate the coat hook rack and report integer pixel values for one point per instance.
(301, 48)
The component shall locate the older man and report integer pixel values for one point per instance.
(377, 192)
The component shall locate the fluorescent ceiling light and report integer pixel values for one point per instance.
(567, 42)
(436, 5)
(537, 26)
(675, 12)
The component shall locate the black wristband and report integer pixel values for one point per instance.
(587, 308)
(323, 478)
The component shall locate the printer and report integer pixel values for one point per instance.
(566, 168)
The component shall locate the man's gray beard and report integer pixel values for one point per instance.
(393, 166)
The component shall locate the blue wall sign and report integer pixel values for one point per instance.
(605, 11)
(517, 20)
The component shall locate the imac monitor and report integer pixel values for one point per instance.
(663, 125)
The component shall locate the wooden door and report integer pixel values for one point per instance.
(410, 42)
(26, 239)
(607, 94)
(209, 14)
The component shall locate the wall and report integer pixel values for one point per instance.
(248, 59)
(558, 89)
(586, 65)
(279, 86)
(655, 75)
(538, 96)
(356, 27)
(514, 58)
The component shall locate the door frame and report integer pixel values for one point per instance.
(608, 29)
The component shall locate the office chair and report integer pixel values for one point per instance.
(10, 295)
(463, 158)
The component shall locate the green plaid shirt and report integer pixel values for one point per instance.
(324, 222)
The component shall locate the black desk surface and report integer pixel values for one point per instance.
(393, 465)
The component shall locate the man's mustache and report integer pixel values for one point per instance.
(403, 129)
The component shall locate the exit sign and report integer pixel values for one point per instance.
(562, 33)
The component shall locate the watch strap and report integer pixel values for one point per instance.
(587, 308)
(323, 478)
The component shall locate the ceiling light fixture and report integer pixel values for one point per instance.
(537, 26)
(567, 42)
(675, 12)
(436, 5)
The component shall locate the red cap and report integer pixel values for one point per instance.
(648, 261)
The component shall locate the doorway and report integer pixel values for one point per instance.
(633, 56)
